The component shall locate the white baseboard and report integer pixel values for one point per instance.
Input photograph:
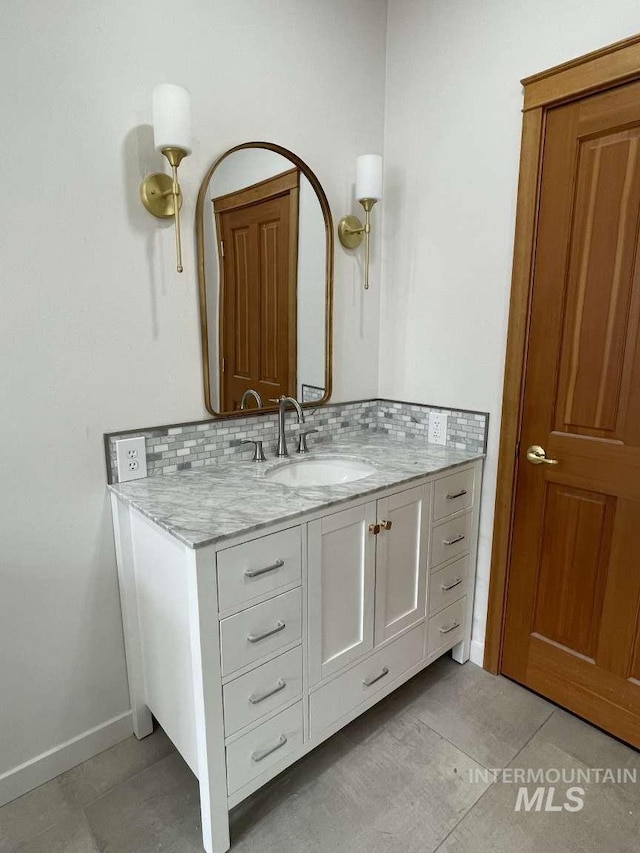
(476, 652)
(44, 767)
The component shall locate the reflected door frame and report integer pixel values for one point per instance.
(594, 72)
(284, 184)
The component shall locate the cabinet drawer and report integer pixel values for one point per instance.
(335, 699)
(262, 690)
(450, 539)
(260, 631)
(259, 567)
(447, 627)
(448, 585)
(453, 493)
(263, 748)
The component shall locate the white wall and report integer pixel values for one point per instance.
(97, 331)
(452, 139)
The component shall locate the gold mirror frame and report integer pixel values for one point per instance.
(202, 284)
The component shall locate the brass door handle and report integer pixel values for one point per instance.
(538, 456)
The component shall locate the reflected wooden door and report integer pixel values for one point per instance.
(572, 629)
(258, 230)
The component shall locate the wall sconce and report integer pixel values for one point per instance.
(160, 193)
(368, 192)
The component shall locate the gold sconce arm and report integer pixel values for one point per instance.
(351, 232)
(161, 195)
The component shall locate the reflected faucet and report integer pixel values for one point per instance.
(250, 393)
(283, 402)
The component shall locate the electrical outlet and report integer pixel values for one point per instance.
(438, 427)
(131, 457)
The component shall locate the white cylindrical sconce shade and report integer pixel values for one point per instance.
(369, 177)
(171, 117)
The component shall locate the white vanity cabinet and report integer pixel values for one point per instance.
(367, 577)
(342, 577)
(253, 650)
(401, 561)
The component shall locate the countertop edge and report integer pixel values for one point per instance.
(293, 516)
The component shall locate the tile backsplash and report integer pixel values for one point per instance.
(201, 443)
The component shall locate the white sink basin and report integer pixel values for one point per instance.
(325, 471)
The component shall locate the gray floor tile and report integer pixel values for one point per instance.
(157, 810)
(397, 780)
(402, 790)
(105, 771)
(488, 717)
(608, 821)
(591, 746)
(71, 835)
(29, 815)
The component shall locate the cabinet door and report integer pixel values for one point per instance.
(342, 558)
(401, 568)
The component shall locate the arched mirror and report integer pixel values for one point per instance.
(265, 266)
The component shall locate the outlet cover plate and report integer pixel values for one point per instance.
(438, 427)
(131, 458)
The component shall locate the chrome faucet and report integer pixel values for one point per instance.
(250, 393)
(283, 402)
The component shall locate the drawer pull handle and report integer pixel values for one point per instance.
(369, 681)
(451, 627)
(454, 540)
(261, 754)
(446, 587)
(459, 494)
(253, 573)
(256, 698)
(255, 638)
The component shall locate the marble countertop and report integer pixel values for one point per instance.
(200, 507)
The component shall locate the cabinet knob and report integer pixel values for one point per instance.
(374, 528)
(386, 525)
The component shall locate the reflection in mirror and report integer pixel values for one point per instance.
(264, 250)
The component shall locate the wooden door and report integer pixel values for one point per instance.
(342, 569)
(258, 240)
(572, 630)
(401, 562)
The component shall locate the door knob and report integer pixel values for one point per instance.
(537, 456)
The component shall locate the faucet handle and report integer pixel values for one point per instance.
(258, 453)
(302, 440)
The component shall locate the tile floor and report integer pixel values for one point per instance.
(397, 780)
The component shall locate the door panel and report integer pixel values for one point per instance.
(240, 277)
(342, 569)
(598, 322)
(573, 600)
(573, 567)
(401, 562)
